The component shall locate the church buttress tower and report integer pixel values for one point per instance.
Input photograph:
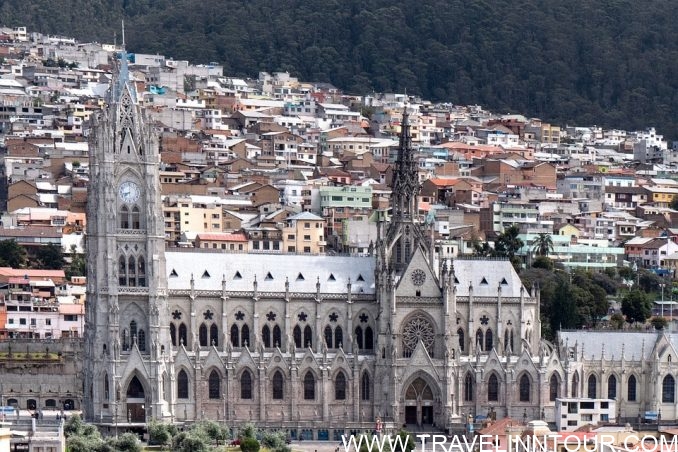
(127, 366)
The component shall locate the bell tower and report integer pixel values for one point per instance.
(127, 346)
(404, 232)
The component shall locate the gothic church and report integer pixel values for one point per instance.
(317, 345)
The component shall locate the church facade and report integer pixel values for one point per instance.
(317, 345)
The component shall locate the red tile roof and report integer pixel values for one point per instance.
(223, 236)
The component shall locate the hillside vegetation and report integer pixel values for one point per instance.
(604, 62)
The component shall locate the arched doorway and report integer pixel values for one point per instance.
(419, 403)
(136, 401)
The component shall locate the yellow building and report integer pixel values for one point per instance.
(193, 214)
(304, 233)
(661, 195)
(569, 230)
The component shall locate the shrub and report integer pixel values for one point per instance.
(249, 445)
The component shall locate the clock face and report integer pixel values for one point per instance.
(129, 192)
(418, 277)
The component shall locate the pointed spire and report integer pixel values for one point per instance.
(121, 78)
(405, 181)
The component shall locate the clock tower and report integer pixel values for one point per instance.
(128, 358)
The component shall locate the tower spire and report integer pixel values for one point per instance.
(405, 181)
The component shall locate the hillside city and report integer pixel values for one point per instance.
(277, 166)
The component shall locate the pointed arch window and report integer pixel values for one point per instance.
(493, 389)
(340, 386)
(479, 339)
(278, 385)
(277, 336)
(107, 395)
(214, 385)
(246, 385)
(131, 272)
(133, 331)
(668, 389)
(365, 387)
(338, 337)
(631, 389)
(309, 386)
(266, 336)
(141, 339)
(136, 223)
(369, 338)
(183, 335)
(124, 217)
(308, 336)
(122, 271)
(554, 385)
(214, 335)
(468, 388)
(125, 340)
(612, 387)
(328, 336)
(460, 334)
(173, 334)
(359, 337)
(235, 336)
(245, 336)
(489, 339)
(182, 385)
(141, 273)
(575, 385)
(202, 335)
(524, 388)
(296, 333)
(592, 387)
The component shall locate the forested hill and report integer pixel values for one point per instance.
(604, 62)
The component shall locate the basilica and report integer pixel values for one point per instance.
(318, 345)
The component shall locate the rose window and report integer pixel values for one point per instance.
(418, 329)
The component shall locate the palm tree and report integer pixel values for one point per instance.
(543, 244)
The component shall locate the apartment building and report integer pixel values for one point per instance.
(304, 233)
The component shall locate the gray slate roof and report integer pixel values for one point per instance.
(637, 345)
(270, 270)
(486, 276)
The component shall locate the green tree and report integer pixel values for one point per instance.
(508, 243)
(543, 244)
(275, 440)
(80, 436)
(617, 321)
(127, 442)
(213, 431)
(12, 254)
(674, 203)
(188, 442)
(659, 323)
(564, 309)
(248, 444)
(248, 430)
(406, 443)
(78, 265)
(50, 257)
(636, 306)
(160, 433)
(543, 262)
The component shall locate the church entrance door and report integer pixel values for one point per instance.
(410, 414)
(136, 401)
(419, 403)
(427, 415)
